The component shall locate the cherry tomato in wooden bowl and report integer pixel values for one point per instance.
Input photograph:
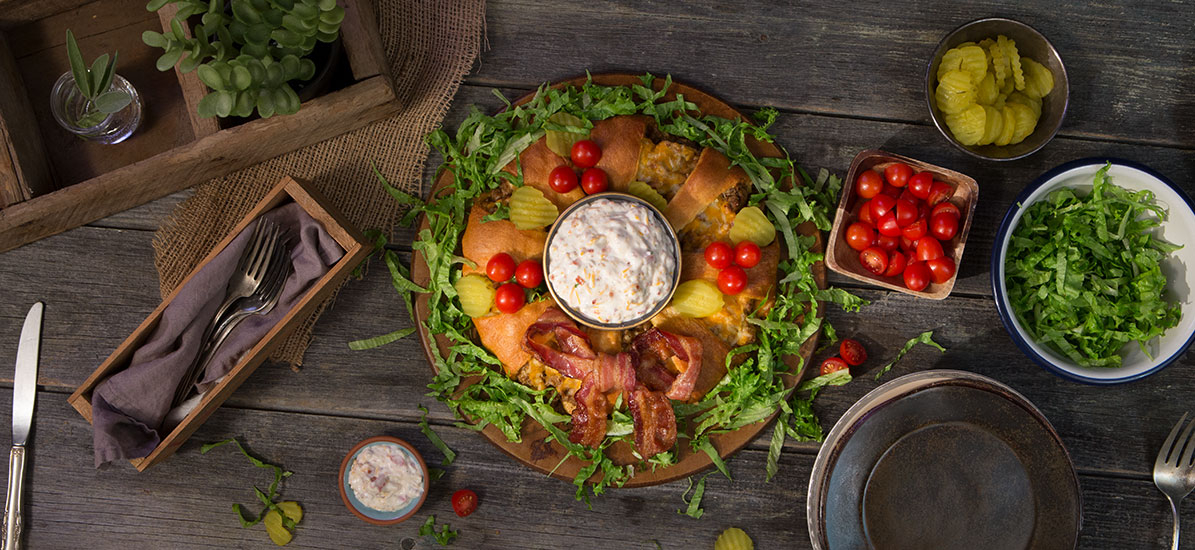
(869, 184)
(860, 236)
(898, 174)
(875, 259)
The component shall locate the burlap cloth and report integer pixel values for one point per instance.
(431, 45)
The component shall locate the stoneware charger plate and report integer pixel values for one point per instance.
(544, 457)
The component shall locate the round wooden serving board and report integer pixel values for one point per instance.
(545, 457)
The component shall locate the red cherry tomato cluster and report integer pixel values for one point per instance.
(509, 297)
(902, 223)
(585, 155)
(732, 261)
(850, 354)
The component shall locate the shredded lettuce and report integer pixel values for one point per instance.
(926, 338)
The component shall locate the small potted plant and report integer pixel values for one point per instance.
(248, 52)
(94, 102)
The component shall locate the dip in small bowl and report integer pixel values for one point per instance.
(612, 261)
(383, 480)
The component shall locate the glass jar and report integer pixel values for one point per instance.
(69, 105)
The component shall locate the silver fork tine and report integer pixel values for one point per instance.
(260, 263)
(1164, 453)
(254, 242)
(1185, 462)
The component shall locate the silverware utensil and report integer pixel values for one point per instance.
(1174, 471)
(24, 393)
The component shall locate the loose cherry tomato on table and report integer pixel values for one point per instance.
(585, 153)
(869, 184)
(939, 192)
(852, 351)
(719, 255)
(920, 183)
(880, 205)
(747, 254)
(529, 273)
(915, 230)
(562, 179)
(860, 235)
(943, 226)
(945, 207)
(594, 181)
(941, 269)
(833, 364)
(509, 298)
(928, 248)
(887, 243)
(917, 276)
(906, 212)
(874, 259)
(732, 280)
(464, 502)
(897, 261)
(887, 225)
(500, 268)
(898, 174)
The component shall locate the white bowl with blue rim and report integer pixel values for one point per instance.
(371, 515)
(1179, 268)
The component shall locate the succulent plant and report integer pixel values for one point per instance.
(247, 51)
(94, 83)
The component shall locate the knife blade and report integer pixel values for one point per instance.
(23, 395)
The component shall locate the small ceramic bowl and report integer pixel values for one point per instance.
(381, 517)
(673, 244)
(1031, 44)
(1179, 268)
(843, 259)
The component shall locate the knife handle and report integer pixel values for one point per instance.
(12, 505)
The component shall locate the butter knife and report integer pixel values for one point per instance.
(23, 394)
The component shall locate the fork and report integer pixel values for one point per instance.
(1174, 474)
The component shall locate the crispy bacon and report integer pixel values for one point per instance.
(560, 344)
(589, 417)
(655, 423)
(615, 372)
(655, 348)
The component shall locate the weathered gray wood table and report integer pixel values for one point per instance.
(846, 76)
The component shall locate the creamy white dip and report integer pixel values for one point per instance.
(385, 478)
(611, 261)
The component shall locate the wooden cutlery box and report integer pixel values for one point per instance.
(51, 180)
(356, 248)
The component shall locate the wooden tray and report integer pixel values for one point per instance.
(356, 248)
(51, 181)
(546, 457)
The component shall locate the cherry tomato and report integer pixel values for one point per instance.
(905, 195)
(719, 255)
(896, 263)
(946, 207)
(941, 269)
(920, 184)
(898, 174)
(915, 230)
(906, 212)
(891, 191)
(917, 276)
(833, 364)
(509, 298)
(732, 280)
(928, 248)
(500, 268)
(943, 226)
(530, 273)
(852, 351)
(887, 243)
(562, 179)
(747, 254)
(594, 181)
(874, 259)
(880, 205)
(464, 502)
(939, 192)
(865, 213)
(908, 246)
(585, 153)
(887, 224)
(860, 235)
(869, 184)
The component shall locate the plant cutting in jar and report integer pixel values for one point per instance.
(248, 51)
(95, 85)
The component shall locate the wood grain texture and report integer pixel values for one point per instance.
(192, 88)
(24, 165)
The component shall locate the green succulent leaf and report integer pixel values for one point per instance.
(108, 73)
(168, 59)
(176, 29)
(290, 67)
(241, 78)
(246, 13)
(91, 118)
(297, 25)
(225, 101)
(189, 63)
(325, 5)
(306, 69)
(274, 74)
(78, 69)
(153, 39)
(265, 103)
(244, 104)
(155, 5)
(113, 101)
(207, 105)
(286, 38)
(333, 16)
(210, 76)
(96, 74)
(326, 37)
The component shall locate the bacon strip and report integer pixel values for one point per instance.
(655, 422)
(589, 417)
(615, 372)
(574, 358)
(655, 348)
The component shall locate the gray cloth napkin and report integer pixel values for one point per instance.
(127, 409)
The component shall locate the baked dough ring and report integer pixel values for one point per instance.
(761, 279)
(620, 138)
(484, 239)
(712, 177)
(503, 334)
(537, 162)
(713, 349)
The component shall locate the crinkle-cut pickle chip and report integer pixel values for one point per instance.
(734, 539)
(697, 298)
(1026, 100)
(750, 224)
(560, 142)
(1039, 81)
(1000, 66)
(974, 62)
(968, 126)
(1014, 60)
(1026, 121)
(987, 91)
(529, 209)
(952, 60)
(955, 92)
(1010, 126)
(994, 125)
(476, 295)
(278, 533)
(292, 510)
(648, 193)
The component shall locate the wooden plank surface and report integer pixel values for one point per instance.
(845, 79)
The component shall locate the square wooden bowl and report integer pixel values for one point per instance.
(843, 259)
